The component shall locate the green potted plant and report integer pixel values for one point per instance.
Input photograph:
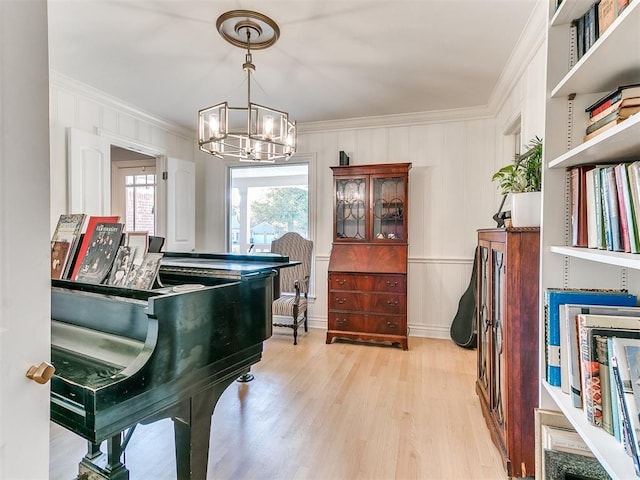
(523, 180)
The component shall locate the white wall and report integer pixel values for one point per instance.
(454, 154)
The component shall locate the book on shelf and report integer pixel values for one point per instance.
(632, 353)
(628, 410)
(590, 204)
(602, 357)
(621, 5)
(570, 351)
(616, 418)
(553, 298)
(633, 176)
(69, 229)
(564, 440)
(59, 255)
(578, 205)
(599, 208)
(626, 112)
(627, 231)
(606, 15)
(578, 27)
(101, 253)
(611, 210)
(86, 240)
(592, 28)
(620, 93)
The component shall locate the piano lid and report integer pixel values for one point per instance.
(223, 264)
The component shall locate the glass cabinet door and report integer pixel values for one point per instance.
(388, 204)
(484, 322)
(351, 208)
(498, 397)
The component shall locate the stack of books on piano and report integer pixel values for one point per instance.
(611, 109)
(593, 355)
(102, 253)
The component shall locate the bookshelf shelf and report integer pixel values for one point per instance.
(567, 11)
(605, 447)
(619, 259)
(618, 144)
(610, 62)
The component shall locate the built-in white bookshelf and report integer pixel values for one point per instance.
(572, 85)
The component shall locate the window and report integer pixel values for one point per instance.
(140, 198)
(133, 194)
(266, 202)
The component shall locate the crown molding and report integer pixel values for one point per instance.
(398, 120)
(75, 86)
(532, 37)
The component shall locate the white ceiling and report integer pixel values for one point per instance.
(335, 59)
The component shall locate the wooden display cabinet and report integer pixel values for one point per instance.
(368, 263)
(507, 314)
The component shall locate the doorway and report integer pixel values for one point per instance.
(134, 189)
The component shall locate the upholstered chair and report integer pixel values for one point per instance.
(294, 282)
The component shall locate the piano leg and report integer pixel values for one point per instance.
(95, 465)
(193, 430)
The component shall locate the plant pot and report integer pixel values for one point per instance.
(526, 209)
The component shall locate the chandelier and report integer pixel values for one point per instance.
(254, 133)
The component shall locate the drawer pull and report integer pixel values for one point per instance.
(341, 301)
(392, 303)
(392, 324)
(392, 284)
(341, 321)
(341, 281)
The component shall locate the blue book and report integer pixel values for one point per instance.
(554, 297)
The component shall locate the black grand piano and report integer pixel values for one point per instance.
(125, 356)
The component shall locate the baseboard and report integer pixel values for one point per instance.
(414, 331)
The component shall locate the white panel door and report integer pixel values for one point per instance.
(25, 234)
(89, 173)
(181, 206)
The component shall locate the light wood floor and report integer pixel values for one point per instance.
(340, 411)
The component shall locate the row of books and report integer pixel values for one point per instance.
(611, 109)
(593, 355)
(102, 252)
(595, 21)
(605, 206)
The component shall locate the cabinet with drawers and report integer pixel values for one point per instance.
(367, 284)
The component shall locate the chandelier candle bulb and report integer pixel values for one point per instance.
(267, 126)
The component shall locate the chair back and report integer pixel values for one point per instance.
(297, 248)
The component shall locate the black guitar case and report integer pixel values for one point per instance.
(463, 328)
